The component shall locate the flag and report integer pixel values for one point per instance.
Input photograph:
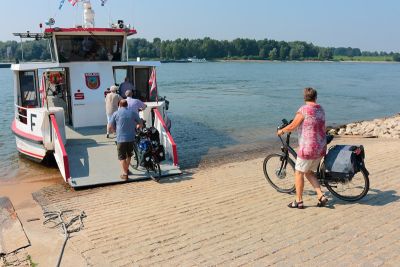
(61, 4)
(153, 83)
(73, 2)
(42, 89)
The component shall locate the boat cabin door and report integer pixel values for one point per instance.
(142, 76)
(57, 90)
(138, 76)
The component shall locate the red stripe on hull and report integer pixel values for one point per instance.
(16, 131)
(37, 156)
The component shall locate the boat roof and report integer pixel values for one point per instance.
(81, 30)
(49, 65)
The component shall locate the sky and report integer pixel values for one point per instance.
(371, 25)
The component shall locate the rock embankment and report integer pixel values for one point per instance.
(385, 127)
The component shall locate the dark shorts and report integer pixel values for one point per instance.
(125, 150)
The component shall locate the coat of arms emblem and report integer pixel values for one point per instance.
(92, 80)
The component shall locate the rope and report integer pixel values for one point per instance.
(67, 223)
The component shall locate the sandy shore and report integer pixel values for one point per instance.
(223, 215)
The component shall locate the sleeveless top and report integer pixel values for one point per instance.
(312, 137)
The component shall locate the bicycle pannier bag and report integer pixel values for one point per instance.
(341, 162)
(160, 153)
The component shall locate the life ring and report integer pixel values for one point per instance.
(55, 78)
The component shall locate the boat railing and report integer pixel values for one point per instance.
(21, 113)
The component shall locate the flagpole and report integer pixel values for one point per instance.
(155, 80)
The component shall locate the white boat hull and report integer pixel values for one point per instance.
(31, 149)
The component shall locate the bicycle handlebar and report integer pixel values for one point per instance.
(284, 124)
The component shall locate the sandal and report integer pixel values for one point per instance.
(124, 176)
(322, 201)
(295, 204)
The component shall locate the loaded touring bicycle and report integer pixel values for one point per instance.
(60, 107)
(342, 170)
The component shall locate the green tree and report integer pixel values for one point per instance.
(273, 54)
(284, 50)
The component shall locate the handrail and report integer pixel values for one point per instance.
(20, 109)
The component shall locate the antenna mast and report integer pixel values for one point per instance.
(88, 15)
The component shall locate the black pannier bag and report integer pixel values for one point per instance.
(160, 153)
(144, 151)
(154, 135)
(343, 161)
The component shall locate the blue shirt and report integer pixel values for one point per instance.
(125, 121)
(135, 104)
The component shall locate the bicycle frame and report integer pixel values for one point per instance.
(287, 149)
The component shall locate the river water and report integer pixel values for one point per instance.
(232, 108)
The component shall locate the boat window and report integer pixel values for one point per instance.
(27, 83)
(89, 48)
(120, 74)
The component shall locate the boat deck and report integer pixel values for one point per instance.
(93, 159)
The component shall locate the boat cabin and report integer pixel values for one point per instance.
(85, 63)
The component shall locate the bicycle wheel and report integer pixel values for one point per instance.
(155, 170)
(349, 189)
(279, 173)
(135, 159)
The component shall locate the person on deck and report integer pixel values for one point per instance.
(134, 104)
(125, 122)
(112, 100)
(310, 122)
(125, 86)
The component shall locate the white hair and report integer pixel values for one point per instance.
(114, 88)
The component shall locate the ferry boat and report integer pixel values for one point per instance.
(197, 60)
(60, 104)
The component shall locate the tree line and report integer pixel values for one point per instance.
(204, 48)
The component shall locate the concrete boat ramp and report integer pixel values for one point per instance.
(93, 159)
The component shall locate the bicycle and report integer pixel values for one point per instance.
(147, 152)
(279, 170)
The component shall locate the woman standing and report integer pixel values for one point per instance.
(310, 122)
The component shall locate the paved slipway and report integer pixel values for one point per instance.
(229, 216)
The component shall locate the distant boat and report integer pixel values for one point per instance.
(5, 65)
(197, 60)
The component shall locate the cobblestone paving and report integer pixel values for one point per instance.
(230, 216)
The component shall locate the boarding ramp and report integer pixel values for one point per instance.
(93, 159)
(60, 154)
(166, 139)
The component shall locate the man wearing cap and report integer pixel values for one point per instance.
(125, 122)
(112, 100)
